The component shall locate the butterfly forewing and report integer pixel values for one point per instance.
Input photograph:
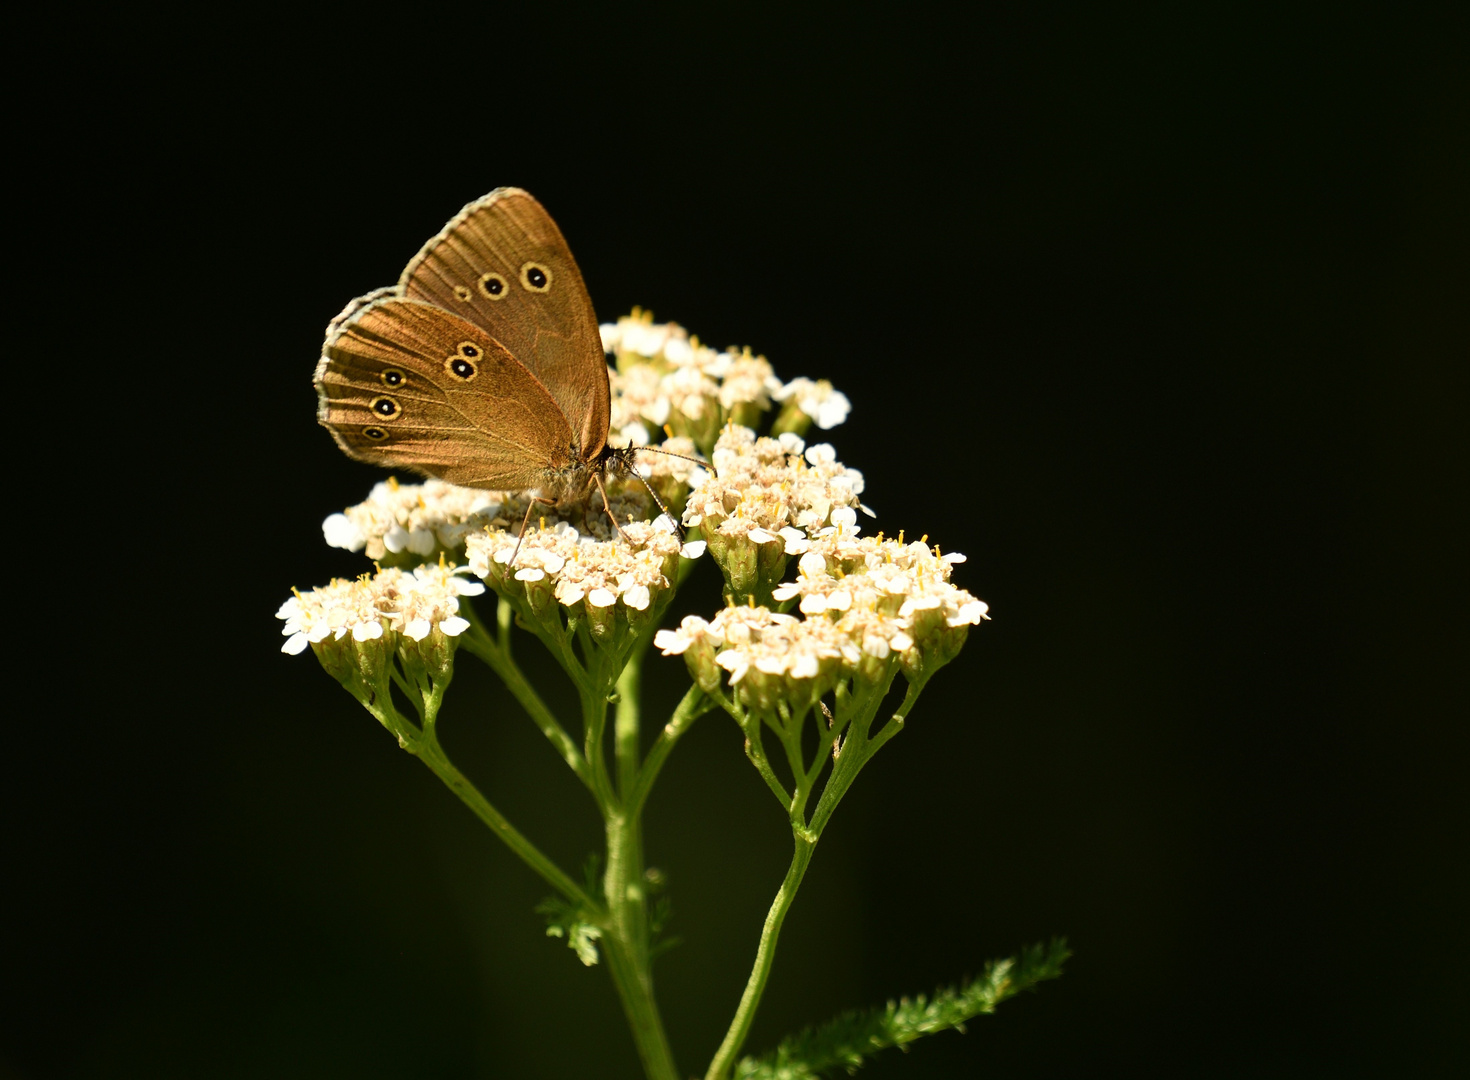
(407, 384)
(502, 264)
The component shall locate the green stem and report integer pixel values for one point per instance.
(432, 755)
(479, 642)
(765, 955)
(635, 990)
(691, 707)
(627, 912)
(756, 752)
(626, 722)
(855, 716)
(593, 693)
(857, 749)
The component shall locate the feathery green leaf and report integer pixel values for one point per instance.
(845, 1041)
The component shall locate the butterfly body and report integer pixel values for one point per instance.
(483, 366)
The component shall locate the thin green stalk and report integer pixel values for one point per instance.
(765, 955)
(691, 707)
(856, 713)
(856, 751)
(479, 642)
(504, 620)
(593, 693)
(756, 752)
(432, 755)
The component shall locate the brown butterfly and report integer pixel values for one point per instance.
(483, 366)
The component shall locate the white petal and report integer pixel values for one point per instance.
(468, 588)
(570, 595)
(771, 665)
(637, 597)
(821, 454)
(295, 644)
(530, 573)
(367, 631)
(341, 533)
(875, 646)
(671, 642)
(804, 667)
(421, 541)
(692, 550)
(601, 598)
(291, 607)
(760, 536)
(678, 351)
(790, 388)
(735, 662)
(813, 604)
(812, 564)
(610, 337)
(791, 442)
(953, 557)
(971, 613)
(657, 411)
(901, 642)
(844, 517)
(840, 600)
(454, 625)
(785, 592)
(865, 508)
(832, 411)
(417, 629)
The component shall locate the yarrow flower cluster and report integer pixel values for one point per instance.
(412, 603)
(765, 498)
(403, 523)
(412, 518)
(664, 376)
(762, 485)
(863, 598)
(582, 572)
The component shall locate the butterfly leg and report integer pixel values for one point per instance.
(598, 481)
(535, 499)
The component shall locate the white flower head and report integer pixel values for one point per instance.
(413, 603)
(415, 519)
(630, 571)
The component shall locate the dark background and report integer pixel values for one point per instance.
(1160, 316)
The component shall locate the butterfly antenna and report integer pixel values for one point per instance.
(662, 509)
(670, 453)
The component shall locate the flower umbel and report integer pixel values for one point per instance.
(764, 501)
(664, 376)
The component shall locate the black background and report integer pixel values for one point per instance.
(1159, 315)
